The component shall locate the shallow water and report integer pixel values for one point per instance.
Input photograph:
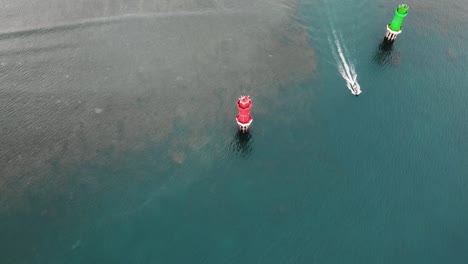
(119, 144)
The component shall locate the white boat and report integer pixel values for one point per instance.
(355, 89)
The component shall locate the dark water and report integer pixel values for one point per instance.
(119, 145)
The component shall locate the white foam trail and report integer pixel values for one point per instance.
(340, 53)
(343, 74)
(345, 49)
(341, 68)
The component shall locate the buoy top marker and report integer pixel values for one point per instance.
(244, 102)
(400, 13)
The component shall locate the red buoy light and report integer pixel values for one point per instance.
(244, 119)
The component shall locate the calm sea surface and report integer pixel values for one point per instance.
(118, 141)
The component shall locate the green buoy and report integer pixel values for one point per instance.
(394, 28)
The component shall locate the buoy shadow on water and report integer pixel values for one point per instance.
(385, 54)
(241, 143)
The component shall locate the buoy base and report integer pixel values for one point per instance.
(244, 127)
(391, 35)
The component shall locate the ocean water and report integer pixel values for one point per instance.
(118, 141)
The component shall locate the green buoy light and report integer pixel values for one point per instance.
(394, 28)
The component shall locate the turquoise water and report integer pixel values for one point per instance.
(137, 159)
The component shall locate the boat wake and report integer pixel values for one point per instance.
(346, 69)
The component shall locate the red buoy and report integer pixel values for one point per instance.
(244, 119)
